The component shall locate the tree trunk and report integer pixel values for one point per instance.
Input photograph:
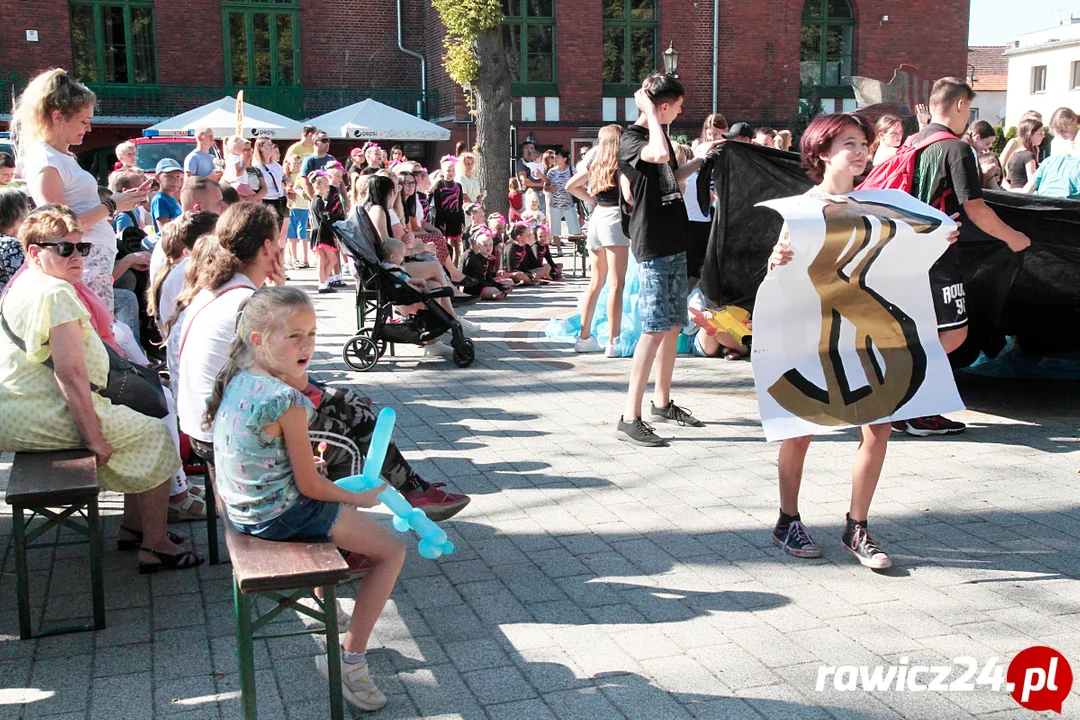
(492, 97)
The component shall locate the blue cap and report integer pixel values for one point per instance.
(167, 165)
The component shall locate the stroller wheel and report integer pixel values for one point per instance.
(360, 353)
(464, 353)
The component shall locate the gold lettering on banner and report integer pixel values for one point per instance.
(878, 323)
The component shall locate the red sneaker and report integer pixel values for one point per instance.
(436, 503)
(358, 564)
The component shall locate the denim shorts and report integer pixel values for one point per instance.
(306, 519)
(663, 293)
(298, 222)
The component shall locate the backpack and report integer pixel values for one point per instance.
(898, 172)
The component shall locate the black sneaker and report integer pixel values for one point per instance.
(638, 432)
(327, 289)
(933, 425)
(794, 539)
(857, 541)
(338, 283)
(673, 413)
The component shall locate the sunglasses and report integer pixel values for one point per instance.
(66, 249)
(323, 140)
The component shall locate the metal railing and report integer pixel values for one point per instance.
(159, 102)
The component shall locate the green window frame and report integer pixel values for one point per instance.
(112, 41)
(827, 47)
(262, 43)
(630, 44)
(529, 38)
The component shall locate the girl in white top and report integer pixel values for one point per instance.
(53, 115)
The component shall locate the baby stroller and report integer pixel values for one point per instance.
(361, 242)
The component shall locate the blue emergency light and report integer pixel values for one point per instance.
(168, 133)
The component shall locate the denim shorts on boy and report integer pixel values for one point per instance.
(305, 519)
(663, 292)
(298, 221)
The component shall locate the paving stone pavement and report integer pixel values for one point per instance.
(594, 579)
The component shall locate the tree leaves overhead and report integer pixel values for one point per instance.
(464, 21)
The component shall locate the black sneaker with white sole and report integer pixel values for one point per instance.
(791, 536)
(857, 541)
(672, 413)
(638, 432)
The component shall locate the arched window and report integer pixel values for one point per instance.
(828, 28)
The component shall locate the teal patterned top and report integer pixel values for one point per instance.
(254, 476)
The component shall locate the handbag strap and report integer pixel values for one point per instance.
(18, 342)
(219, 293)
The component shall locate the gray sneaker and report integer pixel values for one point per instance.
(356, 684)
(857, 541)
(638, 432)
(672, 413)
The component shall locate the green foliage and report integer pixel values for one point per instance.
(465, 21)
(999, 140)
(680, 140)
(807, 111)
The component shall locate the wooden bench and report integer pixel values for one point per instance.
(285, 573)
(62, 488)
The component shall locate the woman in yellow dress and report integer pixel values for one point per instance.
(45, 409)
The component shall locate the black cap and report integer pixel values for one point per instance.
(740, 129)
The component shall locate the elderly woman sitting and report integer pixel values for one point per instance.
(44, 408)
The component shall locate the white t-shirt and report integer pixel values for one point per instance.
(80, 188)
(274, 180)
(170, 290)
(205, 338)
(394, 219)
(1060, 146)
(157, 259)
(693, 210)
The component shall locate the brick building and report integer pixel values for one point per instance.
(575, 62)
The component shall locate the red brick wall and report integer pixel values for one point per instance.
(194, 56)
(758, 74)
(53, 49)
(367, 33)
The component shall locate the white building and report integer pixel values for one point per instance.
(1044, 72)
(988, 73)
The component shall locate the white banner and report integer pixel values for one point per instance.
(845, 334)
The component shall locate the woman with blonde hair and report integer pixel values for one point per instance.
(470, 186)
(51, 116)
(53, 363)
(599, 181)
(888, 134)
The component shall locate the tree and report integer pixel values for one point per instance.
(475, 57)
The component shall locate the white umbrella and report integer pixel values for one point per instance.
(220, 115)
(371, 120)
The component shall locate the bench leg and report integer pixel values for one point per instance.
(211, 517)
(97, 567)
(22, 572)
(245, 653)
(333, 653)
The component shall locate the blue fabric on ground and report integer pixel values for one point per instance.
(1011, 362)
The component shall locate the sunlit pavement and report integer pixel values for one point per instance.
(594, 579)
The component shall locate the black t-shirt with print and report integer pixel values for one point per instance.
(946, 174)
(658, 223)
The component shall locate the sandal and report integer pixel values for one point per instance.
(182, 512)
(730, 354)
(179, 561)
(137, 536)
